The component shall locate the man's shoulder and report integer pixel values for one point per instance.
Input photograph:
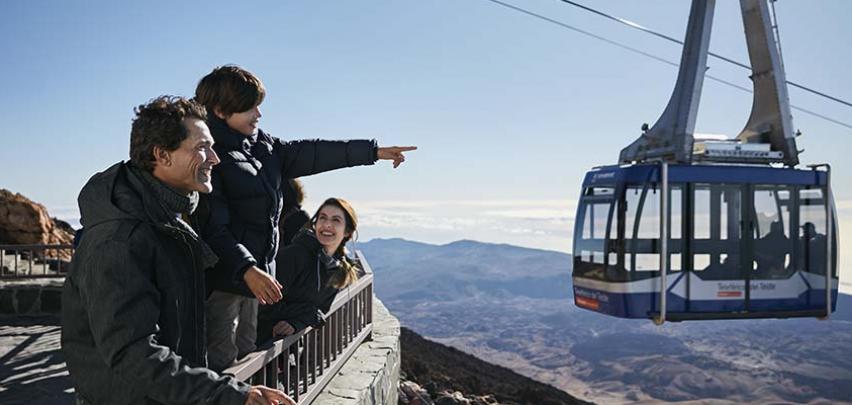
(133, 233)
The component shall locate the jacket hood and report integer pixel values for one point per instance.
(307, 238)
(110, 196)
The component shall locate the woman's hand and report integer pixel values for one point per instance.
(283, 328)
(265, 288)
(394, 153)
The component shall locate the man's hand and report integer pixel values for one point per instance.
(394, 153)
(283, 328)
(265, 288)
(260, 395)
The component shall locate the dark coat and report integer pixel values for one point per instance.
(246, 202)
(133, 303)
(293, 217)
(304, 271)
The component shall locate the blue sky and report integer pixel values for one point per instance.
(508, 111)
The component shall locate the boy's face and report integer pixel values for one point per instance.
(244, 122)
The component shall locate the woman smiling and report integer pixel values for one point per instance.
(312, 270)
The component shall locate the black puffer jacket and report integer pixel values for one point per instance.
(245, 206)
(133, 304)
(304, 271)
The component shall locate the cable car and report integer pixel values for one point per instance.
(728, 228)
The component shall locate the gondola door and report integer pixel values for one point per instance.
(718, 249)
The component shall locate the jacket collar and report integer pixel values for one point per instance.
(307, 238)
(227, 137)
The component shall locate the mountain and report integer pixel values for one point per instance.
(513, 306)
(466, 268)
(443, 370)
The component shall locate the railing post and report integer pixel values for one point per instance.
(284, 366)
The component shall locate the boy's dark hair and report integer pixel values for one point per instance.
(231, 89)
(160, 123)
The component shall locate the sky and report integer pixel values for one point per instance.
(508, 111)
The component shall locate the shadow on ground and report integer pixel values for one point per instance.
(32, 368)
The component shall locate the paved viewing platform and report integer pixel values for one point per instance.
(33, 371)
(32, 368)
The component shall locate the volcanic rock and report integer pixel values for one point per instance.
(25, 222)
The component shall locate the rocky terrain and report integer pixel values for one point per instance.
(24, 222)
(434, 373)
(513, 307)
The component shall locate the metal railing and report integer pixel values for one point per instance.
(304, 363)
(34, 261)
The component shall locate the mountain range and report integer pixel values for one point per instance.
(513, 306)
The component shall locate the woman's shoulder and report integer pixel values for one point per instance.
(303, 245)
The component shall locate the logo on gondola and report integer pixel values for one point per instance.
(603, 176)
(730, 290)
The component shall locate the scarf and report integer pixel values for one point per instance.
(173, 205)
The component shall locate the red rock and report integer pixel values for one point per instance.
(25, 222)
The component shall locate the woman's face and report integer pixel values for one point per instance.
(331, 227)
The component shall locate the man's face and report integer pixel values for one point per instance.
(245, 122)
(188, 167)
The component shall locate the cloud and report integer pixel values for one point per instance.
(545, 224)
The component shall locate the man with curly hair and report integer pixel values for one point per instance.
(133, 304)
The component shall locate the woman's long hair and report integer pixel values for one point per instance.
(347, 273)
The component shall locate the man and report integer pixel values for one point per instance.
(133, 305)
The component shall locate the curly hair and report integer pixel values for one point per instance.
(230, 89)
(160, 123)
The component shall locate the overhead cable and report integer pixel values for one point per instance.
(634, 25)
(668, 62)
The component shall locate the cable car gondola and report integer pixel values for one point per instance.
(728, 228)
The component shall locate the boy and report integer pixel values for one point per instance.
(245, 206)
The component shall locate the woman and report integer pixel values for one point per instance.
(312, 269)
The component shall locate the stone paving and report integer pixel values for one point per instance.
(32, 369)
(33, 372)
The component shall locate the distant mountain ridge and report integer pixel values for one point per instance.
(513, 306)
(415, 270)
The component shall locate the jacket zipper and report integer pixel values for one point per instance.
(193, 273)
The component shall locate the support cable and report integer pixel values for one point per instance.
(634, 25)
(666, 61)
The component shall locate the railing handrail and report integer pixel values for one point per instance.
(251, 364)
(262, 366)
(36, 246)
(53, 260)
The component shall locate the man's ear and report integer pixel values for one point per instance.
(162, 157)
(218, 112)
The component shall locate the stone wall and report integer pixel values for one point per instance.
(371, 376)
(31, 297)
